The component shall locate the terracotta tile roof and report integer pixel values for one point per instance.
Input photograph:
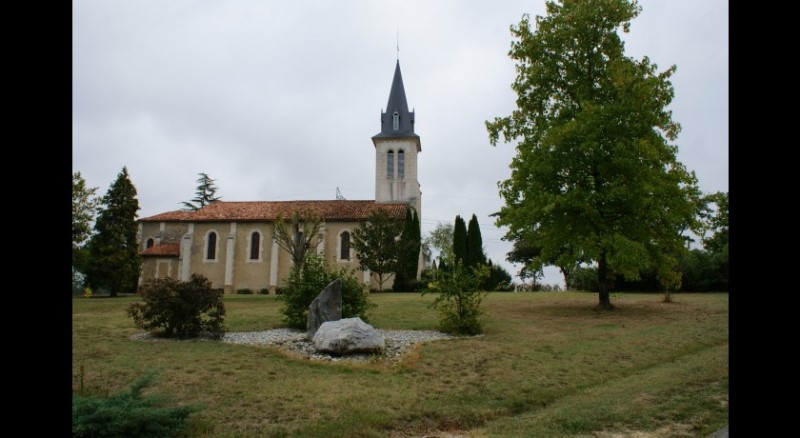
(331, 210)
(165, 250)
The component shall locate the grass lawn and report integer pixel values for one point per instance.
(549, 365)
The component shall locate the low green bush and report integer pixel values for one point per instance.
(244, 291)
(181, 309)
(263, 291)
(459, 298)
(128, 414)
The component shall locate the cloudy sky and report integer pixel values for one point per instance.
(277, 100)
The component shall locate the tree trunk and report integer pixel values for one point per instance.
(602, 279)
(565, 273)
(667, 296)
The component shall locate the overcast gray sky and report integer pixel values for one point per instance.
(277, 100)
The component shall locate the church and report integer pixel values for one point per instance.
(231, 243)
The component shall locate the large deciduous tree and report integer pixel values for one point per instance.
(595, 170)
(205, 194)
(376, 243)
(114, 261)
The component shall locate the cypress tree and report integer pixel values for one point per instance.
(475, 255)
(408, 256)
(460, 240)
(114, 261)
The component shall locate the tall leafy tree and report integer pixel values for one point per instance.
(459, 241)
(595, 169)
(475, 255)
(205, 194)
(408, 253)
(714, 221)
(440, 238)
(114, 262)
(376, 243)
(84, 205)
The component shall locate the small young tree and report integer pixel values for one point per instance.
(459, 297)
(298, 235)
(113, 249)
(182, 309)
(206, 189)
(376, 244)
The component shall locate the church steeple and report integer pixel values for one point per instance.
(397, 148)
(397, 121)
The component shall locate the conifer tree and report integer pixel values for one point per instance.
(475, 255)
(206, 189)
(114, 261)
(408, 255)
(460, 241)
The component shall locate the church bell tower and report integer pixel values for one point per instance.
(396, 151)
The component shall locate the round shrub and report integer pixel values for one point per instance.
(182, 309)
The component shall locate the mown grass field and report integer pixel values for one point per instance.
(549, 365)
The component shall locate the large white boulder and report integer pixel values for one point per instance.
(348, 336)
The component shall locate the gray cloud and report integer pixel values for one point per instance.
(278, 100)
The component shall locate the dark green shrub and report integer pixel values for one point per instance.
(244, 291)
(263, 291)
(460, 298)
(584, 279)
(128, 414)
(498, 280)
(180, 309)
(300, 290)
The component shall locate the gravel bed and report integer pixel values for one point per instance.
(298, 343)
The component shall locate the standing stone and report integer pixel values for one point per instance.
(327, 306)
(348, 336)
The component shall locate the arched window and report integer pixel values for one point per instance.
(211, 246)
(401, 164)
(149, 244)
(345, 246)
(255, 242)
(390, 164)
(396, 120)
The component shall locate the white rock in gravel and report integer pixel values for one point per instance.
(348, 336)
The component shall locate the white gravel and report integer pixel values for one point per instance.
(297, 342)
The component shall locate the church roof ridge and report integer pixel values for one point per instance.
(268, 211)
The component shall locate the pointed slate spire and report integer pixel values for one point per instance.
(397, 120)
